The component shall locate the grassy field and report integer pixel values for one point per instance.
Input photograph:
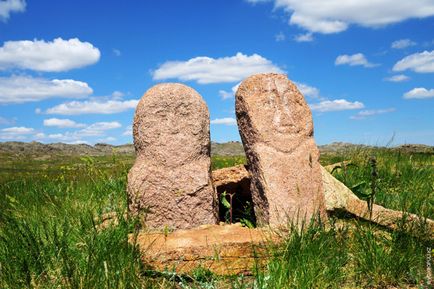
(50, 209)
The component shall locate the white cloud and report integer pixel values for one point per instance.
(16, 133)
(336, 105)
(128, 131)
(402, 43)
(97, 129)
(397, 78)
(117, 95)
(106, 140)
(279, 37)
(353, 60)
(57, 55)
(19, 89)
(313, 24)
(93, 107)
(9, 6)
(331, 16)
(226, 94)
(12, 137)
(6, 121)
(18, 130)
(205, 70)
(229, 94)
(366, 113)
(56, 136)
(422, 62)
(39, 135)
(308, 90)
(306, 37)
(116, 52)
(419, 93)
(77, 142)
(224, 121)
(62, 123)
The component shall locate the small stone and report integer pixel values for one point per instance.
(170, 183)
(276, 129)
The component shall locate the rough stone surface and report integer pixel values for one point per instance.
(170, 182)
(230, 175)
(232, 249)
(337, 198)
(390, 218)
(342, 165)
(276, 129)
(223, 249)
(336, 194)
(340, 198)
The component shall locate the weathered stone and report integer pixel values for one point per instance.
(222, 249)
(336, 194)
(276, 128)
(340, 165)
(340, 198)
(170, 182)
(337, 198)
(232, 249)
(230, 175)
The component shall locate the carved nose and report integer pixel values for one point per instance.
(286, 119)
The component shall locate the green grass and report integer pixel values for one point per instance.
(50, 237)
(311, 258)
(219, 162)
(387, 259)
(406, 181)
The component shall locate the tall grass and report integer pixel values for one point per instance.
(405, 181)
(219, 162)
(50, 234)
(387, 259)
(309, 258)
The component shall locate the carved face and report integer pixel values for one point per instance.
(171, 123)
(277, 112)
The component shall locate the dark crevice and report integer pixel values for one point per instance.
(242, 204)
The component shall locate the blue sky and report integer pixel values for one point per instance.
(73, 71)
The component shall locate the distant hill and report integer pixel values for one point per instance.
(36, 148)
(233, 148)
(223, 149)
(236, 148)
(342, 147)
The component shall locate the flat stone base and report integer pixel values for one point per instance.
(232, 249)
(222, 249)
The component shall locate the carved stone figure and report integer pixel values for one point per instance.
(276, 129)
(170, 183)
